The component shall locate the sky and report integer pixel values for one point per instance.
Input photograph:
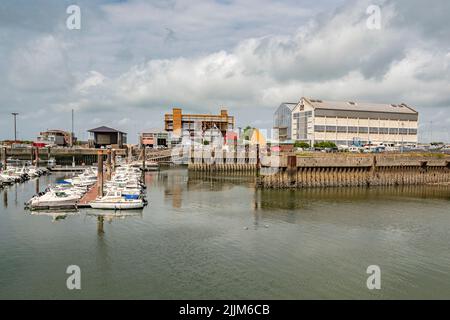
(132, 61)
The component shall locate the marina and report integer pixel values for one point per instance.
(122, 190)
(221, 155)
(217, 236)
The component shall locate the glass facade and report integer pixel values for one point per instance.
(301, 121)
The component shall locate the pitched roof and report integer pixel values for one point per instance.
(290, 105)
(360, 106)
(104, 129)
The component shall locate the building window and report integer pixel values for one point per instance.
(412, 131)
(319, 128)
(393, 130)
(373, 130)
(331, 128)
(353, 129)
(342, 129)
(403, 131)
(363, 130)
(384, 130)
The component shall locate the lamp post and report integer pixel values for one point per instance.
(15, 114)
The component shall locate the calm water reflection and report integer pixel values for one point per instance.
(218, 237)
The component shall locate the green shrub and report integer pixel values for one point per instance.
(301, 144)
(325, 144)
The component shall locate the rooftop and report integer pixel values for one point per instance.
(104, 129)
(290, 105)
(360, 106)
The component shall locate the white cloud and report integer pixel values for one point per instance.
(247, 55)
(40, 65)
(339, 59)
(93, 80)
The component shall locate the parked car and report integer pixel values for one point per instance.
(354, 149)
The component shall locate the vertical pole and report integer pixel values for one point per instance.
(258, 161)
(292, 168)
(48, 155)
(100, 173)
(4, 157)
(15, 126)
(108, 165)
(246, 153)
(113, 160)
(144, 155)
(36, 163)
(235, 147)
(71, 133)
(37, 186)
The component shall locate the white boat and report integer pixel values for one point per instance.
(114, 200)
(54, 199)
(33, 172)
(7, 178)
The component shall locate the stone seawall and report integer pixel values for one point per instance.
(338, 170)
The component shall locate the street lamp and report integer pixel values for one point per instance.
(15, 114)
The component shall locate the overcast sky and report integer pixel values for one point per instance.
(132, 61)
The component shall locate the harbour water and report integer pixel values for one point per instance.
(219, 238)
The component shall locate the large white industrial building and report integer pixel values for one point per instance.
(344, 122)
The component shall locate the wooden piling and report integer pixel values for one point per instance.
(36, 160)
(144, 156)
(100, 173)
(4, 158)
(113, 160)
(108, 165)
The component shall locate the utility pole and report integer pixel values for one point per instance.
(431, 131)
(15, 114)
(72, 132)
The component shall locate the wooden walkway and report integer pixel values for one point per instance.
(91, 195)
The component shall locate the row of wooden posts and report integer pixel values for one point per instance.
(105, 175)
(293, 176)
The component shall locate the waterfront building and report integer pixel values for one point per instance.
(154, 138)
(348, 122)
(105, 136)
(257, 138)
(231, 138)
(282, 120)
(177, 122)
(54, 138)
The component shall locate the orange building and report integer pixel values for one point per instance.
(177, 122)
